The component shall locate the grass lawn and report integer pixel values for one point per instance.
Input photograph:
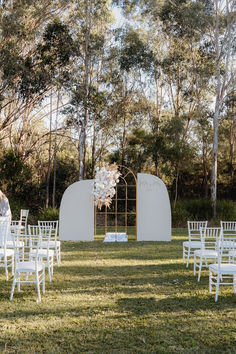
(131, 297)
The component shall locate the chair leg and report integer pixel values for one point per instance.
(199, 270)
(12, 266)
(43, 281)
(210, 281)
(13, 287)
(18, 283)
(217, 287)
(6, 270)
(188, 257)
(59, 255)
(56, 255)
(234, 281)
(183, 254)
(49, 271)
(194, 266)
(38, 287)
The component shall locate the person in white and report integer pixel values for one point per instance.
(5, 209)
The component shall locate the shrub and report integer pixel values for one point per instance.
(179, 216)
(49, 214)
(200, 209)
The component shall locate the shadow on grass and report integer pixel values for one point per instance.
(144, 251)
(140, 306)
(136, 306)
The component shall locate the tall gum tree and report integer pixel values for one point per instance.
(223, 36)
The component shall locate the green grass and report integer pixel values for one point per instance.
(131, 297)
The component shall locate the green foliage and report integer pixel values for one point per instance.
(49, 214)
(51, 55)
(15, 175)
(134, 52)
(183, 18)
(200, 209)
(180, 215)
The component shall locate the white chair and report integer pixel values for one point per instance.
(15, 233)
(6, 254)
(54, 244)
(228, 226)
(210, 237)
(194, 239)
(45, 254)
(31, 269)
(23, 219)
(229, 230)
(223, 272)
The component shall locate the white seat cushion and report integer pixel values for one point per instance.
(192, 244)
(9, 252)
(43, 253)
(19, 244)
(52, 244)
(229, 244)
(28, 266)
(206, 253)
(225, 268)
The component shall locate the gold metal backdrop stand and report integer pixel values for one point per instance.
(121, 216)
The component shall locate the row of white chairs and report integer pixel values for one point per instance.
(28, 253)
(213, 248)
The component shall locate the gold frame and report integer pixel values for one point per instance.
(115, 200)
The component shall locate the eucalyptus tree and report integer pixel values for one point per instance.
(222, 33)
(89, 28)
(23, 64)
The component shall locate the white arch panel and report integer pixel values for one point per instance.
(77, 212)
(153, 209)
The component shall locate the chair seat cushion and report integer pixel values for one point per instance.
(229, 244)
(19, 244)
(28, 266)
(206, 253)
(52, 244)
(43, 253)
(192, 244)
(9, 252)
(225, 268)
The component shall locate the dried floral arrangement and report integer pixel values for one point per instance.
(104, 185)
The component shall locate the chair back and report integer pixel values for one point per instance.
(228, 227)
(210, 238)
(226, 245)
(194, 229)
(33, 235)
(15, 226)
(24, 217)
(54, 228)
(4, 231)
(34, 244)
(15, 234)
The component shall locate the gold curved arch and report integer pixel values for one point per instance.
(114, 206)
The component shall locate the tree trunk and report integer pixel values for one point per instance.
(93, 147)
(123, 143)
(232, 139)
(222, 46)
(49, 154)
(55, 156)
(216, 117)
(176, 186)
(82, 143)
(205, 174)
